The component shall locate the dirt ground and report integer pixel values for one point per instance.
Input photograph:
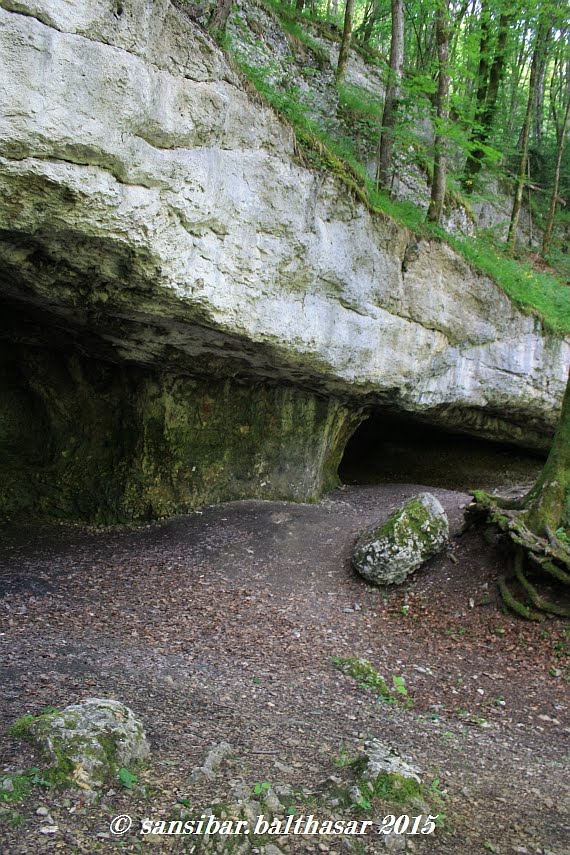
(222, 626)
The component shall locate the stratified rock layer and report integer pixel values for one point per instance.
(155, 226)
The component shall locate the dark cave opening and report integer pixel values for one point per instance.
(390, 449)
(88, 434)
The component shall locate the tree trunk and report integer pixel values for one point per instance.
(386, 143)
(560, 139)
(486, 109)
(515, 77)
(525, 134)
(219, 17)
(537, 528)
(439, 164)
(369, 21)
(345, 43)
(299, 5)
(548, 503)
(539, 96)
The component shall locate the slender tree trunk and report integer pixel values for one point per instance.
(529, 199)
(487, 94)
(439, 165)
(368, 26)
(560, 139)
(386, 143)
(548, 503)
(515, 80)
(345, 43)
(525, 135)
(457, 23)
(539, 98)
(219, 17)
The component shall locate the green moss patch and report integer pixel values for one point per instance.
(368, 678)
(121, 443)
(85, 744)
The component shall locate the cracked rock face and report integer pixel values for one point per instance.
(155, 213)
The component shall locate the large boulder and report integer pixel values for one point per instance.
(386, 554)
(87, 743)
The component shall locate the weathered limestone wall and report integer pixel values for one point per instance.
(88, 439)
(154, 212)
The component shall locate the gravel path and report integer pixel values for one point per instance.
(221, 626)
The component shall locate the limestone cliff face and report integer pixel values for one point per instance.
(153, 218)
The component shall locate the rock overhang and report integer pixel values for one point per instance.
(157, 213)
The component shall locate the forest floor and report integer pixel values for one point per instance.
(222, 626)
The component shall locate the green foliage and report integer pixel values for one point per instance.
(400, 686)
(21, 785)
(400, 792)
(343, 758)
(542, 294)
(126, 778)
(368, 678)
(20, 788)
(21, 727)
(299, 36)
(391, 787)
(11, 818)
(364, 803)
(359, 102)
(366, 675)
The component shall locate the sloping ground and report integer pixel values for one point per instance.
(221, 627)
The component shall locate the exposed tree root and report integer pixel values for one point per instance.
(548, 554)
(515, 605)
(549, 567)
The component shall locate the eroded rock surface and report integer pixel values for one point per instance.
(154, 220)
(383, 759)
(88, 742)
(388, 553)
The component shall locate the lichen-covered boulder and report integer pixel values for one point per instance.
(87, 743)
(381, 759)
(388, 553)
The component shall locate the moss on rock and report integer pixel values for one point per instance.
(386, 554)
(85, 744)
(86, 439)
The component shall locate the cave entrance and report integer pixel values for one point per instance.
(389, 449)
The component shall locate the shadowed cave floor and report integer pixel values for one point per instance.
(221, 626)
